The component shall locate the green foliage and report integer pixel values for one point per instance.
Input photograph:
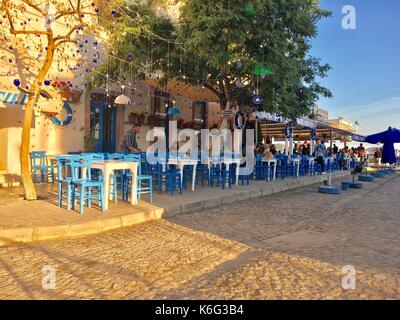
(89, 142)
(222, 43)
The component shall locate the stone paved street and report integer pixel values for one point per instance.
(291, 245)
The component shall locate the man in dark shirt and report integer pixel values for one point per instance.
(129, 143)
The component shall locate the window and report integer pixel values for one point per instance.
(160, 99)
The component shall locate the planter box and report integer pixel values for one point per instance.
(366, 178)
(346, 185)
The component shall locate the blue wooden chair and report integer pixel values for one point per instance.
(39, 166)
(85, 188)
(282, 166)
(221, 173)
(259, 170)
(98, 175)
(170, 176)
(204, 172)
(144, 184)
(64, 176)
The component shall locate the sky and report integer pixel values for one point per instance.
(365, 75)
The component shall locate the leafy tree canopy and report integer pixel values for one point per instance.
(237, 50)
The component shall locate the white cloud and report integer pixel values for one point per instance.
(375, 116)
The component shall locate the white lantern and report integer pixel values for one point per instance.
(122, 98)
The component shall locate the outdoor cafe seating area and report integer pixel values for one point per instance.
(82, 182)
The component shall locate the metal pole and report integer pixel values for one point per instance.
(286, 145)
(291, 146)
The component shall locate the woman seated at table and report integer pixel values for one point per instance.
(267, 154)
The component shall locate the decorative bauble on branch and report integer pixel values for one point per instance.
(257, 100)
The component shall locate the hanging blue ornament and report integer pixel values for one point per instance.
(288, 131)
(257, 100)
(46, 82)
(113, 12)
(239, 64)
(130, 56)
(17, 83)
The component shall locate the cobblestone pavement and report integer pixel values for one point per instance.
(291, 245)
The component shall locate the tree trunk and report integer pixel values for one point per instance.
(26, 176)
(30, 193)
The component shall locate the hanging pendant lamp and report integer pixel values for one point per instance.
(122, 98)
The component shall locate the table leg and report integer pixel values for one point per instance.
(134, 184)
(106, 186)
(237, 173)
(274, 175)
(194, 177)
(298, 168)
(181, 170)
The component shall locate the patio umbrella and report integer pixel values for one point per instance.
(388, 138)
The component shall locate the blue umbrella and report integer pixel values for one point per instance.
(174, 112)
(388, 138)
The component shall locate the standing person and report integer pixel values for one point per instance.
(361, 152)
(320, 152)
(335, 149)
(129, 143)
(378, 156)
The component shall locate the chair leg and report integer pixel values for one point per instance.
(114, 191)
(41, 176)
(73, 200)
(151, 190)
(60, 194)
(89, 198)
(180, 185)
(82, 199)
(69, 191)
(159, 182)
(101, 197)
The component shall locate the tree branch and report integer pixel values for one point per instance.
(34, 6)
(212, 89)
(12, 28)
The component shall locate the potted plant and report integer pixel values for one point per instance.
(66, 95)
(89, 142)
(191, 124)
(152, 119)
(75, 96)
(141, 118)
(180, 124)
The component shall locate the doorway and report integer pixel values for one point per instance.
(103, 123)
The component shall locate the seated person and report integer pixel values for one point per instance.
(267, 154)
